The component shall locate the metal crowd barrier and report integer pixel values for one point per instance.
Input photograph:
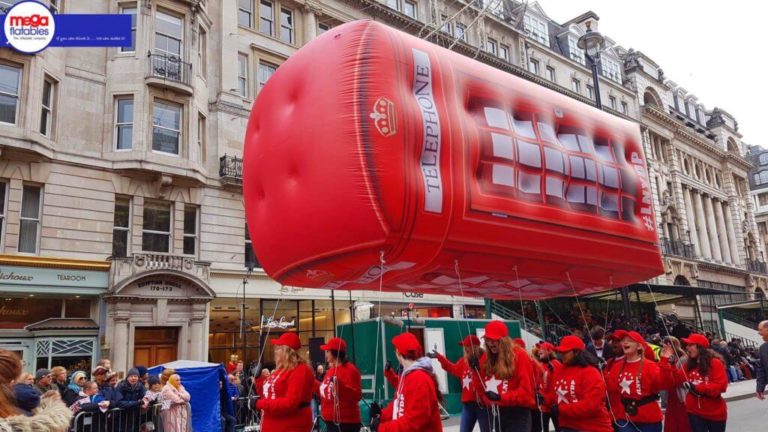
(246, 419)
(119, 420)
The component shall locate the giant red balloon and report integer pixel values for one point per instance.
(370, 141)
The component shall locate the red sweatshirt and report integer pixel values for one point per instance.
(258, 386)
(392, 378)
(414, 408)
(516, 391)
(287, 393)
(342, 381)
(544, 382)
(462, 371)
(622, 381)
(579, 393)
(710, 405)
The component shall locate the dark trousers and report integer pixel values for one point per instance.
(700, 424)
(229, 422)
(538, 419)
(511, 419)
(640, 427)
(343, 427)
(472, 413)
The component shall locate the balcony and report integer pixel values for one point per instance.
(757, 267)
(169, 71)
(677, 248)
(231, 170)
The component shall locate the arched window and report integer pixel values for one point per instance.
(650, 97)
(732, 147)
(764, 159)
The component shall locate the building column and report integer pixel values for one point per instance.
(722, 231)
(197, 349)
(701, 225)
(732, 240)
(712, 229)
(689, 213)
(120, 345)
(310, 23)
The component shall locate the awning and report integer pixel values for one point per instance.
(63, 324)
(647, 293)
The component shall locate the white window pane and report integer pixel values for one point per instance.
(524, 128)
(577, 167)
(169, 25)
(496, 118)
(576, 194)
(168, 116)
(586, 144)
(555, 187)
(125, 110)
(610, 177)
(554, 159)
(591, 169)
(502, 146)
(604, 152)
(609, 202)
(547, 132)
(503, 175)
(9, 79)
(530, 183)
(569, 141)
(28, 236)
(529, 154)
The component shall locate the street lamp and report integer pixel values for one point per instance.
(592, 43)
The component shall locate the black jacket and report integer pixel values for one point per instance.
(131, 395)
(762, 368)
(67, 394)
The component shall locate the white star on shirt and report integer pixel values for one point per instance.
(561, 392)
(323, 386)
(625, 383)
(466, 381)
(492, 384)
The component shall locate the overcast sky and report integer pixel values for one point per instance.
(715, 50)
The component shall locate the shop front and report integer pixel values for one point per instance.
(49, 310)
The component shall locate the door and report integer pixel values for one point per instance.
(23, 349)
(153, 346)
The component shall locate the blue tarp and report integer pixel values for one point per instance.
(202, 381)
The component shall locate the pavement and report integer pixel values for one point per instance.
(736, 395)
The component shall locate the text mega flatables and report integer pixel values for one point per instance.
(370, 143)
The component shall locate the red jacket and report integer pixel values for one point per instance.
(710, 405)
(516, 391)
(342, 381)
(287, 393)
(622, 382)
(414, 408)
(392, 378)
(544, 382)
(258, 386)
(462, 371)
(579, 393)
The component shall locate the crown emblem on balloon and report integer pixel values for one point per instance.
(383, 116)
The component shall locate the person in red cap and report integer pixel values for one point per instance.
(635, 381)
(676, 416)
(546, 363)
(341, 390)
(577, 399)
(415, 406)
(507, 379)
(288, 390)
(704, 377)
(472, 410)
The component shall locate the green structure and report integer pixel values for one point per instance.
(369, 347)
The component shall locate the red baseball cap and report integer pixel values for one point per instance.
(334, 344)
(696, 339)
(547, 346)
(519, 341)
(618, 334)
(406, 343)
(570, 343)
(636, 337)
(470, 341)
(289, 339)
(496, 330)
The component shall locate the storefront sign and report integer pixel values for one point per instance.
(413, 295)
(270, 322)
(159, 285)
(46, 280)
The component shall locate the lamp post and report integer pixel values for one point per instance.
(592, 43)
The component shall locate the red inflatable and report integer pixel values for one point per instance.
(371, 141)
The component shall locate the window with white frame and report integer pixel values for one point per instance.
(536, 29)
(460, 32)
(764, 159)
(504, 52)
(624, 108)
(533, 66)
(130, 10)
(551, 73)
(242, 75)
(590, 92)
(266, 17)
(491, 46)
(245, 13)
(156, 230)
(577, 54)
(166, 127)
(266, 70)
(124, 123)
(446, 27)
(409, 8)
(29, 232)
(761, 177)
(610, 69)
(250, 255)
(201, 131)
(190, 229)
(286, 25)
(10, 81)
(46, 111)
(169, 35)
(121, 231)
(576, 85)
(612, 101)
(56, 6)
(202, 52)
(762, 199)
(3, 196)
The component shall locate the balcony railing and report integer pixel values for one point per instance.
(169, 67)
(231, 169)
(677, 248)
(757, 267)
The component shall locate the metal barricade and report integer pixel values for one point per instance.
(119, 420)
(246, 419)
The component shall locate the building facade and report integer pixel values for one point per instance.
(121, 217)
(758, 187)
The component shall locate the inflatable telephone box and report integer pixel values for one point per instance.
(371, 151)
